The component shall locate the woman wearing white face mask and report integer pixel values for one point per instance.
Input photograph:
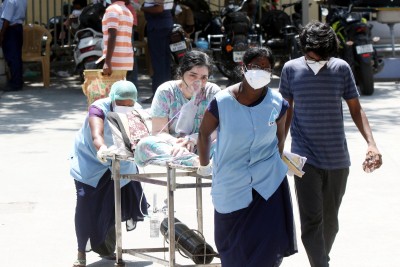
(253, 216)
(94, 214)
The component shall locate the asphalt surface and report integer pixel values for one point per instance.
(37, 194)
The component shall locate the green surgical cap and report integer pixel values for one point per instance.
(123, 90)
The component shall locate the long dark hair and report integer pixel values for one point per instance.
(194, 58)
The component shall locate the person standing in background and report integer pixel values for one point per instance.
(117, 26)
(159, 26)
(132, 75)
(315, 85)
(12, 16)
(183, 16)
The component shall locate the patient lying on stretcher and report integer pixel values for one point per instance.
(176, 112)
(132, 138)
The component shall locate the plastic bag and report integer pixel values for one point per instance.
(185, 122)
(97, 85)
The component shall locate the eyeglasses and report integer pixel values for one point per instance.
(256, 67)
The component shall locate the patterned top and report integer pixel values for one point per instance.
(119, 17)
(317, 127)
(169, 99)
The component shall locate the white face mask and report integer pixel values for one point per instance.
(316, 66)
(123, 109)
(257, 79)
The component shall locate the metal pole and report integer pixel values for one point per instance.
(199, 204)
(33, 11)
(171, 176)
(305, 12)
(117, 207)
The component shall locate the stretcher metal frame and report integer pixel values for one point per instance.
(171, 185)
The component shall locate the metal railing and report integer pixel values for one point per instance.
(52, 14)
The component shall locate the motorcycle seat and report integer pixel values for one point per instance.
(276, 43)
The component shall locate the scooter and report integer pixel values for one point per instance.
(354, 34)
(89, 39)
(88, 50)
(179, 45)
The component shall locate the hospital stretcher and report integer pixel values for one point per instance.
(170, 181)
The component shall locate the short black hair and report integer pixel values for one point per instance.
(319, 38)
(256, 52)
(194, 58)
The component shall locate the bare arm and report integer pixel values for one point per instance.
(112, 37)
(207, 127)
(96, 125)
(361, 121)
(6, 23)
(180, 145)
(289, 116)
(159, 127)
(281, 132)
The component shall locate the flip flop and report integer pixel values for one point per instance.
(79, 263)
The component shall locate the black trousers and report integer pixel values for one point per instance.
(319, 195)
(12, 49)
(160, 55)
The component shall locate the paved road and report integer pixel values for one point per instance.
(37, 196)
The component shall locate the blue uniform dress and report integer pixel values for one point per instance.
(253, 211)
(14, 12)
(94, 215)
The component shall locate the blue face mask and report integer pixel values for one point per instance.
(108, 2)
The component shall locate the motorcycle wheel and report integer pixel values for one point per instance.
(365, 77)
(227, 68)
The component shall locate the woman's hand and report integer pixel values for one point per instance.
(188, 142)
(179, 149)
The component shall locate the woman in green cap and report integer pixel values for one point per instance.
(94, 214)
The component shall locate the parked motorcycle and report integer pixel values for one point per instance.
(89, 39)
(202, 17)
(281, 34)
(237, 34)
(354, 34)
(179, 45)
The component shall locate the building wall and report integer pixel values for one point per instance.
(40, 11)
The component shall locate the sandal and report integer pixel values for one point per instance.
(79, 263)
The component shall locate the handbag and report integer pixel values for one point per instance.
(128, 128)
(137, 128)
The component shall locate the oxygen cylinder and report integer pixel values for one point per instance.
(189, 242)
